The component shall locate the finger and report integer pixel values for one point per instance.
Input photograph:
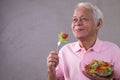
(54, 52)
(52, 55)
(87, 75)
(53, 60)
(96, 77)
(51, 64)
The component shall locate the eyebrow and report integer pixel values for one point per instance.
(80, 16)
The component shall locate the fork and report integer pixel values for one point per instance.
(58, 44)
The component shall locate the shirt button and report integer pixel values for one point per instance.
(91, 49)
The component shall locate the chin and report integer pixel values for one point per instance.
(80, 37)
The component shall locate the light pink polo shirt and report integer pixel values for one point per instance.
(73, 58)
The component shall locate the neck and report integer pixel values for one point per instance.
(87, 43)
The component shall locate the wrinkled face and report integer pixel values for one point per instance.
(83, 25)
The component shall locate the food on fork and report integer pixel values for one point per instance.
(63, 37)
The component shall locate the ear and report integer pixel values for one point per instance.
(99, 24)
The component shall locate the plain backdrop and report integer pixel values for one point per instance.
(29, 30)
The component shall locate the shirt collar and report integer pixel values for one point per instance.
(77, 47)
(96, 47)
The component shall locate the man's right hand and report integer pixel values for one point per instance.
(52, 60)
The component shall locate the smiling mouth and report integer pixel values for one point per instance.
(78, 30)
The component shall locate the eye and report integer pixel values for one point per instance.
(84, 19)
(74, 19)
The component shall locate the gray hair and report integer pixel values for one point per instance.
(97, 13)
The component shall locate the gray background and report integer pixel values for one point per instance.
(29, 30)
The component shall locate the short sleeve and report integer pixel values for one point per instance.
(117, 65)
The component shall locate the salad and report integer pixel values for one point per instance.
(100, 68)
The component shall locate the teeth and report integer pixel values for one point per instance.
(79, 30)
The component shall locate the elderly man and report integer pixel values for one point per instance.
(70, 62)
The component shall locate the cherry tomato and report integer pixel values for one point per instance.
(64, 35)
(106, 64)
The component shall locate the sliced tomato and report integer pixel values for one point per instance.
(105, 64)
(99, 70)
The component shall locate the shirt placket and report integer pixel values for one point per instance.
(82, 53)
